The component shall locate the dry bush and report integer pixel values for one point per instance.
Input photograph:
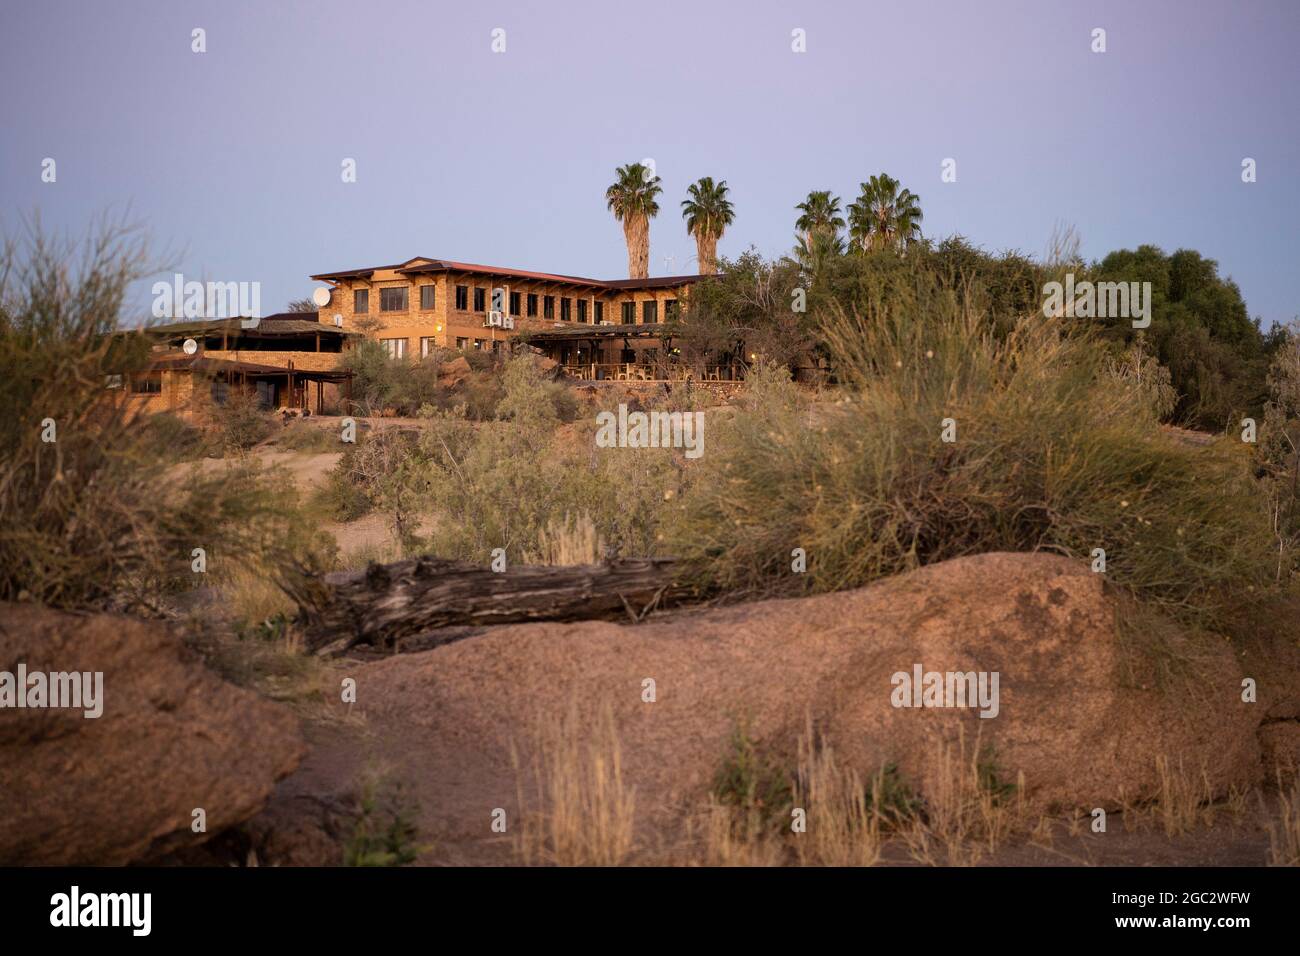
(968, 810)
(1284, 830)
(584, 813)
(844, 817)
(567, 542)
(102, 517)
(1185, 798)
(725, 835)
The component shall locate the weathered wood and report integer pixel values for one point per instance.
(424, 602)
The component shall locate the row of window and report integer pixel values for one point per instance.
(396, 348)
(393, 299)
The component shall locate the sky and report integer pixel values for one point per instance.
(231, 159)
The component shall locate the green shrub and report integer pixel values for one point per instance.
(104, 515)
(385, 831)
(509, 483)
(301, 435)
(241, 420)
(752, 782)
(1052, 452)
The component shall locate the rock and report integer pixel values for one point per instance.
(122, 787)
(452, 374)
(1080, 714)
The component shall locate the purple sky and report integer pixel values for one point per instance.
(233, 156)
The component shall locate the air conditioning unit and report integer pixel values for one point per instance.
(606, 322)
(338, 319)
(500, 320)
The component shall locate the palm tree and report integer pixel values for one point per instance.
(632, 200)
(813, 250)
(820, 213)
(884, 218)
(708, 213)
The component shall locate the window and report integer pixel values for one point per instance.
(600, 312)
(396, 348)
(462, 297)
(480, 299)
(582, 310)
(462, 344)
(671, 310)
(427, 297)
(112, 381)
(392, 300)
(427, 345)
(548, 306)
(649, 312)
(361, 301)
(149, 383)
(629, 313)
(532, 303)
(514, 303)
(496, 348)
(566, 309)
(479, 343)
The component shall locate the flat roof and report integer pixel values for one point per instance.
(281, 324)
(425, 266)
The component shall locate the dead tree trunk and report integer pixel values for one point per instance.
(424, 602)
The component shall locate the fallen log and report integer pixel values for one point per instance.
(423, 602)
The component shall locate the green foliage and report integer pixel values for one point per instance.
(503, 483)
(105, 515)
(241, 420)
(1200, 331)
(1052, 452)
(883, 217)
(302, 435)
(385, 833)
(752, 781)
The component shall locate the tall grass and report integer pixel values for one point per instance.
(101, 515)
(584, 813)
(1052, 451)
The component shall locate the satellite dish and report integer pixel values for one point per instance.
(190, 346)
(321, 297)
(338, 319)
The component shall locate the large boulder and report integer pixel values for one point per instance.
(123, 787)
(1084, 714)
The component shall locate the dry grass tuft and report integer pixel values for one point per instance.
(1284, 831)
(843, 817)
(968, 811)
(585, 814)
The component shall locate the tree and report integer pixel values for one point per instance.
(708, 212)
(1200, 330)
(882, 217)
(819, 213)
(302, 305)
(632, 200)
